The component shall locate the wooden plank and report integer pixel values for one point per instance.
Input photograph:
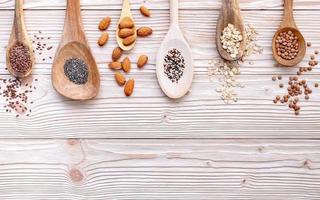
(160, 169)
(161, 4)
(149, 114)
(199, 30)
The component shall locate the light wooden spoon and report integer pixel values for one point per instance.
(175, 40)
(230, 14)
(288, 24)
(74, 45)
(126, 13)
(19, 35)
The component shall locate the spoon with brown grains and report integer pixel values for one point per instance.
(20, 57)
(288, 44)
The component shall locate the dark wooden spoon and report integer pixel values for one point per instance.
(74, 45)
(230, 14)
(288, 24)
(19, 35)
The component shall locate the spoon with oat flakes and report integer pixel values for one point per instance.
(230, 31)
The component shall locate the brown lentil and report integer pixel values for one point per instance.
(287, 45)
(297, 87)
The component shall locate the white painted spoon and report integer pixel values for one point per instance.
(175, 40)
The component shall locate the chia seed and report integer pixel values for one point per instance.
(174, 65)
(76, 70)
(20, 59)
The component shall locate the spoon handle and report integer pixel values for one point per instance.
(231, 3)
(288, 19)
(19, 26)
(174, 12)
(126, 7)
(73, 29)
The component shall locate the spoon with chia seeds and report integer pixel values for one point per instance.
(174, 60)
(20, 58)
(75, 74)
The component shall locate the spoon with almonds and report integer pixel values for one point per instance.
(127, 27)
(230, 14)
(289, 26)
(74, 57)
(174, 60)
(20, 57)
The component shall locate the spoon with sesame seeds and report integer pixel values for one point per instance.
(174, 64)
(230, 15)
(19, 57)
(288, 27)
(75, 74)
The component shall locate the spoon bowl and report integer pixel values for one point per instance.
(126, 13)
(175, 41)
(19, 35)
(74, 45)
(61, 82)
(230, 14)
(301, 51)
(288, 24)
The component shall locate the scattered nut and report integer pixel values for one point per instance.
(142, 61)
(104, 23)
(126, 65)
(144, 31)
(121, 80)
(116, 54)
(103, 39)
(145, 11)
(129, 87)
(115, 65)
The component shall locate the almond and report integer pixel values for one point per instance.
(142, 61)
(125, 32)
(145, 11)
(121, 80)
(144, 31)
(115, 65)
(126, 65)
(116, 54)
(126, 23)
(129, 40)
(103, 39)
(104, 23)
(128, 89)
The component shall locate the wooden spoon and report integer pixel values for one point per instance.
(126, 13)
(19, 35)
(230, 14)
(74, 45)
(175, 40)
(288, 24)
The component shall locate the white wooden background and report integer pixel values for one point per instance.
(147, 146)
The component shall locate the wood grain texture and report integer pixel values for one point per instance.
(199, 31)
(149, 114)
(159, 169)
(161, 4)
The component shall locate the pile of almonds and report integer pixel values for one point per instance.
(297, 87)
(104, 25)
(126, 32)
